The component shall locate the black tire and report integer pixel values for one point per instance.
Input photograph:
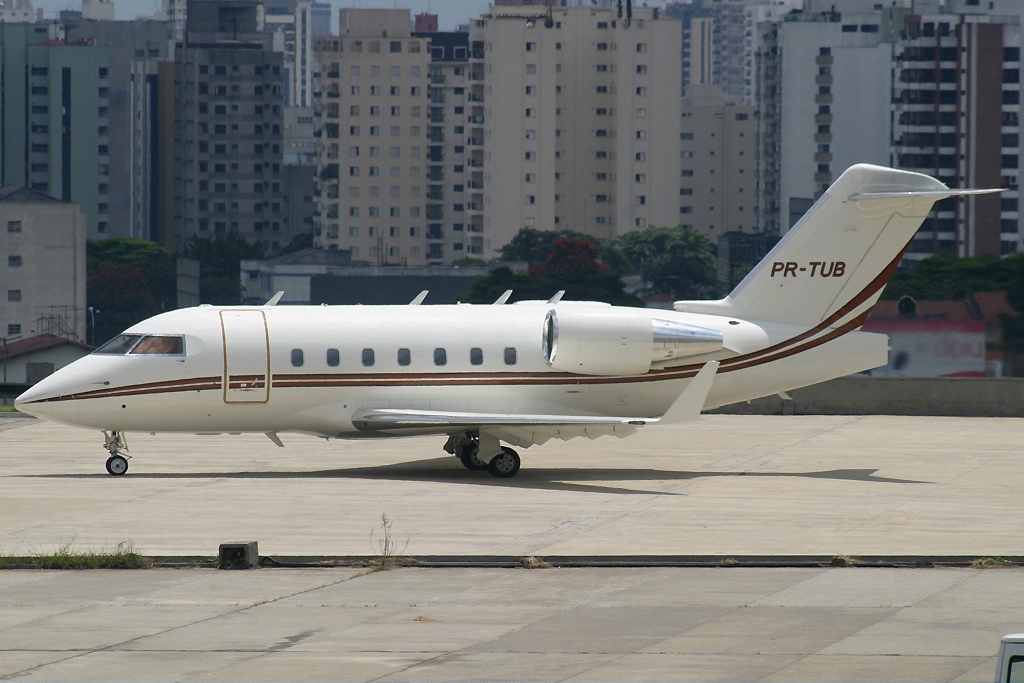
(117, 465)
(506, 464)
(467, 456)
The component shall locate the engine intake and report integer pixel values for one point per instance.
(611, 341)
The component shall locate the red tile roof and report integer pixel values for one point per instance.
(40, 342)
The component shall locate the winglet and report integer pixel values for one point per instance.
(274, 299)
(691, 401)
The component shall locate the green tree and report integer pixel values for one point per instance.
(120, 297)
(946, 276)
(533, 246)
(572, 266)
(220, 265)
(677, 261)
(157, 264)
(128, 280)
(304, 240)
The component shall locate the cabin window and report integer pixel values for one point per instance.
(476, 356)
(333, 357)
(368, 359)
(510, 355)
(404, 357)
(440, 357)
(297, 359)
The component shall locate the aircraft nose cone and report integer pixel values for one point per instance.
(26, 402)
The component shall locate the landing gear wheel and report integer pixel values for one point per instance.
(505, 464)
(117, 465)
(469, 459)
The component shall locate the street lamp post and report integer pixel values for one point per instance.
(92, 317)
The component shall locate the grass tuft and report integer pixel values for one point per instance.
(66, 557)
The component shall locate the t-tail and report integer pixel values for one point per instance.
(831, 267)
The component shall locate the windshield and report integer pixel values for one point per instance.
(144, 345)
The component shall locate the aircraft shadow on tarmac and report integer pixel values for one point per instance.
(448, 471)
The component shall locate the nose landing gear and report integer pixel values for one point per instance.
(117, 446)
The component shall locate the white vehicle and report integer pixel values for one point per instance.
(516, 374)
(1010, 663)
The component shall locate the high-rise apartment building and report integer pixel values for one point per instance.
(297, 21)
(925, 86)
(55, 104)
(372, 121)
(579, 120)
(228, 138)
(450, 187)
(140, 54)
(718, 185)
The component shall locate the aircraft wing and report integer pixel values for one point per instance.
(527, 430)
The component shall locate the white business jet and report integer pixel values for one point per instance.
(517, 374)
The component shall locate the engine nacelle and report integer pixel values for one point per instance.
(616, 341)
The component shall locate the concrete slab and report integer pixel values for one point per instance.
(455, 624)
(725, 486)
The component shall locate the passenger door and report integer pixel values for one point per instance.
(246, 356)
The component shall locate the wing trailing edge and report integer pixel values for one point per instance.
(526, 430)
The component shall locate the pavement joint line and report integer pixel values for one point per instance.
(116, 647)
(372, 563)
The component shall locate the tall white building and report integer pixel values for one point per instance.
(579, 120)
(372, 121)
(927, 86)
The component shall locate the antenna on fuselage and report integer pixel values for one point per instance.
(419, 298)
(274, 299)
(503, 299)
(557, 297)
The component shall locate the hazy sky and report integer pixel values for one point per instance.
(451, 13)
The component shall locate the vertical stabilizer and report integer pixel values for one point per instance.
(832, 265)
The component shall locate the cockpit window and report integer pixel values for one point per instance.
(119, 345)
(159, 345)
(144, 345)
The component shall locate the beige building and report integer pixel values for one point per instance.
(371, 115)
(42, 266)
(718, 189)
(579, 120)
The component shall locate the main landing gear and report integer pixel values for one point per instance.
(484, 452)
(117, 463)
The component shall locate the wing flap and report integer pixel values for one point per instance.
(527, 430)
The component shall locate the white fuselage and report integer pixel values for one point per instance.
(307, 368)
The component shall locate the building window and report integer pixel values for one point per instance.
(13, 330)
(13, 226)
(14, 261)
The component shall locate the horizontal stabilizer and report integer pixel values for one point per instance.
(936, 194)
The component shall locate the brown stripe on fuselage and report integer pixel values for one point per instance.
(775, 352)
